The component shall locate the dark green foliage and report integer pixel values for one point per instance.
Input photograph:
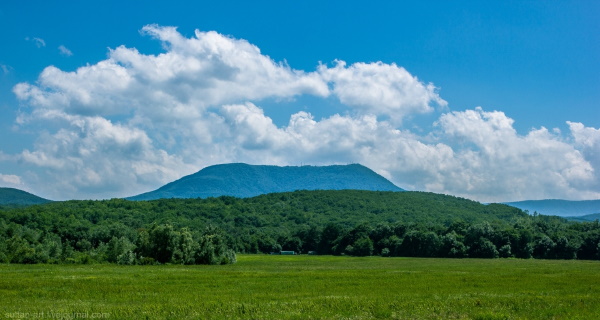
(309, 237)
(213, 249)
(544, 248)
(505, 251)
(162, 243)
(345, 242)
(420, 244)
(361, 247)
(590, 245)
(483, 248)
(565, 248)
(330, 234)
(479, 240)
(117, 248)
(452, 247)
(243, 180)
(349, 222)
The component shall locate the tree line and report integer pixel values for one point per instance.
(210, 231)
(157, 245)
(533, 237)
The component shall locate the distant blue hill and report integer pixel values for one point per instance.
(563, 208)
(586, 218)
(10, 197)
(244, 180)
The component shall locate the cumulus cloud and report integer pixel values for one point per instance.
(64, 51)
(496, 159)
(210, 70)
(135, 121)
(587, 137)
(207, 70)
(95, 156)
(381, 89)
(588, 140)
(97, 89)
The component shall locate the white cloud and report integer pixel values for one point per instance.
(100, 88)
(10, 180)
(381, 89)
(39, 42)
(92, 155)
(585, 136)
(207, 70)
(588, 140)
(65, 51)
(211, 70)
(133, 122)
(496, 163)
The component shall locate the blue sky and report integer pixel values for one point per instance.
(494, 101)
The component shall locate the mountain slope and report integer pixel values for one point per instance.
(563, 208)
(276, 212)
(15, 197)
(586, 218)
(243, 181)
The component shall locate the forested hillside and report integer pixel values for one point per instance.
(10, 197)
(324, 222)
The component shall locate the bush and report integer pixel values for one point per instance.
(544, 248)
(126, 258)
(451, 247)
(362, 247)
(385, 252)
(483, 248)
(117, 247)
(84, 259)
(420, 244)
(505, 251)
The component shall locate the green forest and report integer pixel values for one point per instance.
(348, 222)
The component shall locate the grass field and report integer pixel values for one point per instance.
(306, 287)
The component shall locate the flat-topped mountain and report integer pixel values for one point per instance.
(15, 197)
(244, 180)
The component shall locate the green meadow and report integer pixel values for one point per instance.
(306, 287)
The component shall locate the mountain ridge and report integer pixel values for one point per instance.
(16, 197)
(244, 180)
(585, 218)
